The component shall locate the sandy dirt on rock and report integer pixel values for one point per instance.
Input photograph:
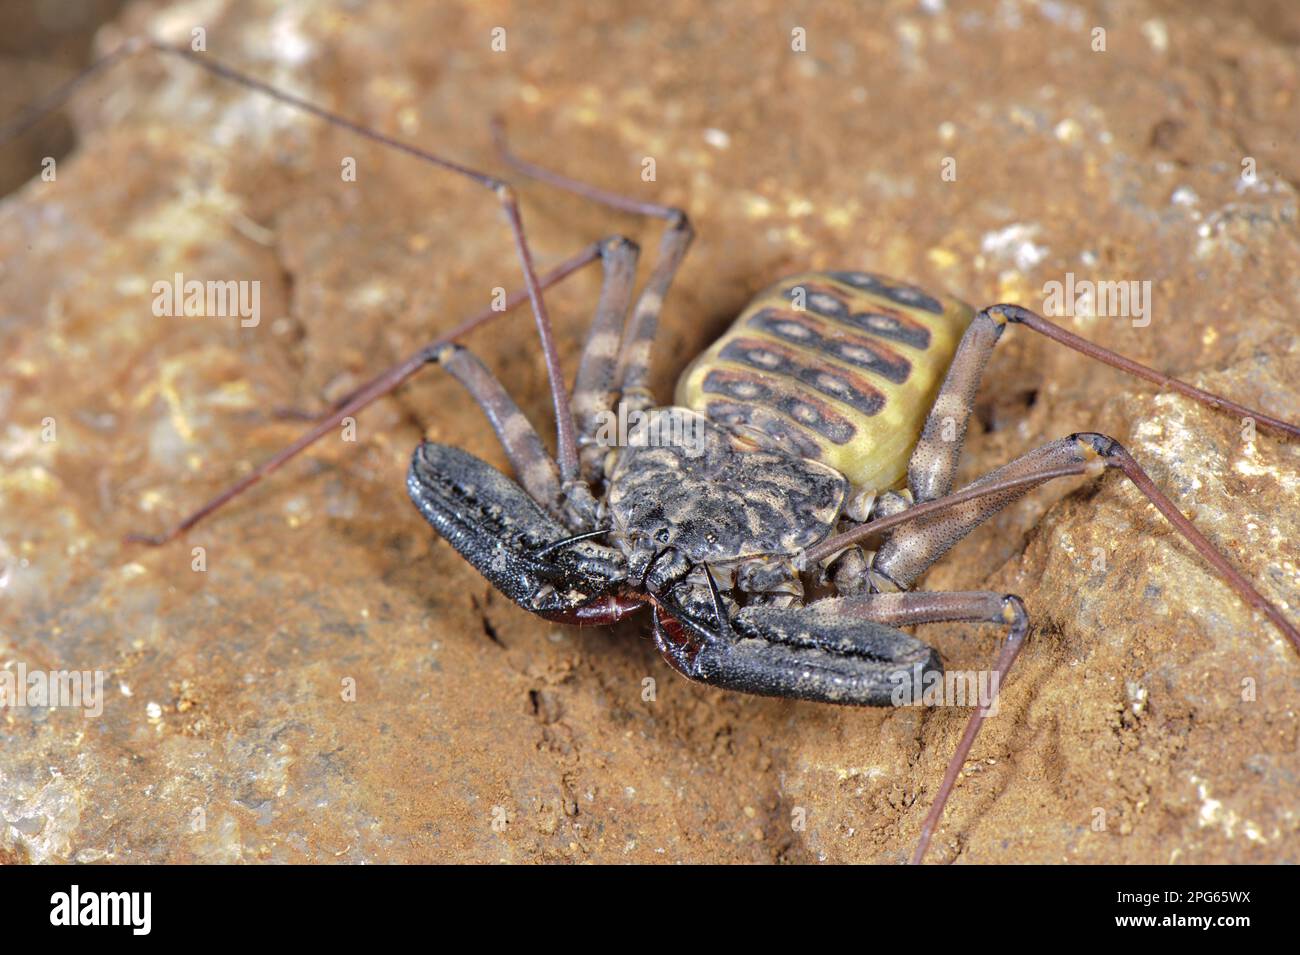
(338, 685)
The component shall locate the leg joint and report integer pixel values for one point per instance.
(1002, 314)
(616, 246)
(1103, 445)
(441, 354)
(1014, 615)
(996, 318)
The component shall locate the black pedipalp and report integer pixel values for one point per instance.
(816, 652)
(506, 535)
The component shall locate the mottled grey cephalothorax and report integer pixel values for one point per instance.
(718, 500)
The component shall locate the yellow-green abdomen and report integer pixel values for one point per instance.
(839, 367)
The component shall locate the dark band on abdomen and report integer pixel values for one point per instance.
(908, 295)
(801, 330)
(790, 400)
(767, 356)
(829, 302)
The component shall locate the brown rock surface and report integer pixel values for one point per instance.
(224, 689)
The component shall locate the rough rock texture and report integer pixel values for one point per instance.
(1126, 734)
